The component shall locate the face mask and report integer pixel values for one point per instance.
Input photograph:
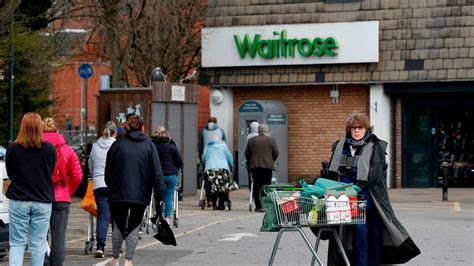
(211, 125)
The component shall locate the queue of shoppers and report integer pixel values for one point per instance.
(44, 173)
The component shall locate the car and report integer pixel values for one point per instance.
(2, 153)
(4, 218)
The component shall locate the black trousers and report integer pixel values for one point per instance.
(261, 177)
(57, 228)
(127, 216)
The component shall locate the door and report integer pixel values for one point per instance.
(418, 148)
(244, 130)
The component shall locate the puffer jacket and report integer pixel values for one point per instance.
(216, 155)
(169, 156)
(63, 189)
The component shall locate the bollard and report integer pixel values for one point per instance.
(445, 166)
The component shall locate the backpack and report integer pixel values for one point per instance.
(60, 176)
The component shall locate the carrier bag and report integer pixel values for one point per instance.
(336, 188)
(88, 202)
(270, 222)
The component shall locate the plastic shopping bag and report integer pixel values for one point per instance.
(88, 202)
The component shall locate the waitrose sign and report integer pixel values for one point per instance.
(291, 44)
(284, 47)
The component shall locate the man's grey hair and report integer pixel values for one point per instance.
(263, 129)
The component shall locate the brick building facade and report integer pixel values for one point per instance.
(416, 94)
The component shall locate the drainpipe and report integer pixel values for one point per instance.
(393, 147)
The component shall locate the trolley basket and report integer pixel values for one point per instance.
(294, 212)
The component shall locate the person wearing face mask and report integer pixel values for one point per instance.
(210, 132)
(359, 158)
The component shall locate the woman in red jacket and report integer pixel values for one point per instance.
(67, 176)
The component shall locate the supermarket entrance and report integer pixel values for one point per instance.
(438, 128)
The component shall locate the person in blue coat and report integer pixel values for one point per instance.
(218, 163)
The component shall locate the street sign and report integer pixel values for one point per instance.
(85, 71)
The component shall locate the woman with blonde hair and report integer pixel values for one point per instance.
(171, 162)
(101, 192)
(67, 176)
(30, 163)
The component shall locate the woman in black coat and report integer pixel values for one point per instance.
(359, 158)
(132, 170)
(170, 163)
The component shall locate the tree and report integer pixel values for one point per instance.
(137, 36)
(30, 65)
(7, 7)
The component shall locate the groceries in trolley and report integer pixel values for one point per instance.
(290, 204)
(338, 211)
(294, 209)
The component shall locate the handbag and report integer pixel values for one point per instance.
(165, 235)
(88, 202)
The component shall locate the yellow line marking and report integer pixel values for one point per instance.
(187, 233)
(457, 206)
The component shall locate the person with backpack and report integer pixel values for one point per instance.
(67, 176)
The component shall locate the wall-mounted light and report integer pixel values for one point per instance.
(334, 94)
(217, 96)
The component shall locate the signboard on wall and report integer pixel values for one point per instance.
(291, 44)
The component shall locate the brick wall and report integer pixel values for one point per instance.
(314, 122)
(423, 40)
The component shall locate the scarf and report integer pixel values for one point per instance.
(363, 164)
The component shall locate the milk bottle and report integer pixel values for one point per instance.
(344, 208)
(332, 216)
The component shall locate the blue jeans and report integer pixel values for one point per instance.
(103, 214)
(26, 215)
(170, 185)
(367, 239)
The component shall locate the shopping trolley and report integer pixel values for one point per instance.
(251, 192)
(202, 201)
(147, 215)
(176, 198)
(90, 240)
(294, 212)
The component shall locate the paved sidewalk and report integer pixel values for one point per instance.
(459, 198)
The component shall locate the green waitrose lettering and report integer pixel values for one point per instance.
(281, 46)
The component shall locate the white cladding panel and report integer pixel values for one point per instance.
(358, 43)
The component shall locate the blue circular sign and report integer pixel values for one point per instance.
(85, 71)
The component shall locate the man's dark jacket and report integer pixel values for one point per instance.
(132, 169)
(261, 152)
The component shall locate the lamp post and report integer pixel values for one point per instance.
(11, 77)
